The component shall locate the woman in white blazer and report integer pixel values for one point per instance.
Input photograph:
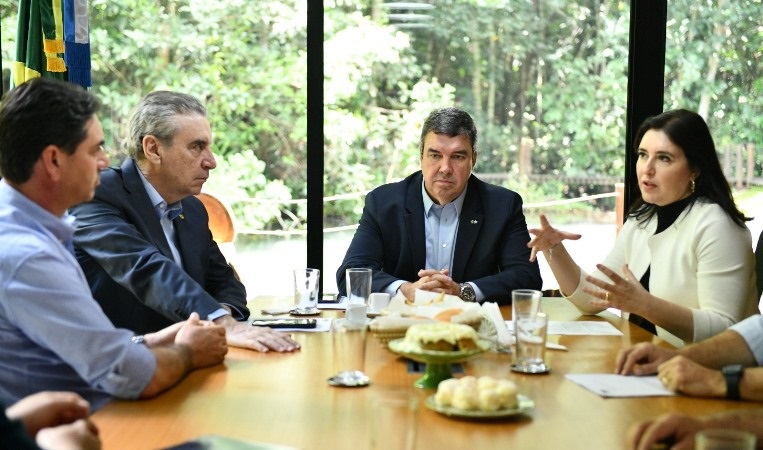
(682, 266)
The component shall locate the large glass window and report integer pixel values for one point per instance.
(713, 66)
(545, 81)
(245, 60)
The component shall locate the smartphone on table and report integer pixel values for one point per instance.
(284, 322)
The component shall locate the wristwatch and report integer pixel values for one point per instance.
(467, 293)
(733, 374)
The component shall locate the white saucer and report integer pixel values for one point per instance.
(371, 314)
(305, 312)
(354, 378)
(537, 369)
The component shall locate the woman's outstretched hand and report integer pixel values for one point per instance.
(547, 237)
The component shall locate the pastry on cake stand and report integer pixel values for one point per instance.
(438, 363)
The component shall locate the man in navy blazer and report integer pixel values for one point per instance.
(442, 229)
(144, 242)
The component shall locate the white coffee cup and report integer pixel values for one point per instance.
(378, 301)
(355, 314)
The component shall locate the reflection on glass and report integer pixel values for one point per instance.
(545, 81)
(712, 66)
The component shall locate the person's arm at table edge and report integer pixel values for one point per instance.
(732, 346)
(181, 348)
(173, 363)
(751, 385)
(680, 429)
(727, 347)
(747, 420)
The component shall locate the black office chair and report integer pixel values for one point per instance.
(552, 293)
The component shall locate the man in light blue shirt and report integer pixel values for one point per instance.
(729, 364)
(54, 335)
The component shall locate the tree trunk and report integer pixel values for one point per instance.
(525, 158)
(476, 69)
(493, 64)
(750, 164)
(739, 176)
(719, 31)
(727, 161)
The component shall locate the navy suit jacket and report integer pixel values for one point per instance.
(491, 244)
(125, 256)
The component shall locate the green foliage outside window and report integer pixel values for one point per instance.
(545, 80)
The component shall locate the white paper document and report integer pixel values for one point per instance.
(589, 328)
(612, 385)
(575, 328)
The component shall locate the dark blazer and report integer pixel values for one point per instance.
(122, 249)
(491, 244)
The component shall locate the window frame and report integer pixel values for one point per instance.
(646, 66)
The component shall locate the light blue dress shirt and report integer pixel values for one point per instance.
(440, 231)
(166, 214)
(751, 330)
(53, 334)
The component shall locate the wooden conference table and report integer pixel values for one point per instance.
(284, 399)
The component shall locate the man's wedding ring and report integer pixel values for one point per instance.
(606, 296)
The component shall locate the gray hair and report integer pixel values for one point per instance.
(449, 121)
(156, 115)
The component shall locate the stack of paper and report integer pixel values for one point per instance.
(503, 335)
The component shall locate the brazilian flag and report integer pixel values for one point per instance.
(39, 41)
(53, 40)
(77, 42)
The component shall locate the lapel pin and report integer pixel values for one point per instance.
(182, 217)
(473, 221)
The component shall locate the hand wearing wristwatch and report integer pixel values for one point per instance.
(467, 293)
(733, 375)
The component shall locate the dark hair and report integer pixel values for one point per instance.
(450, 121)
(39, 113)
(155, 115)
(688, 130)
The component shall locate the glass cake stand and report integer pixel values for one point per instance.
(437, 363)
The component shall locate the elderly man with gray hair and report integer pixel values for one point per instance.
(144, 241)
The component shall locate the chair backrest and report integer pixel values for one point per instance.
(759, 264)
(221, 221)
(552, 293)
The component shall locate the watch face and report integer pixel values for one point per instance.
(733, 374)
(467, 293)
(732, 369)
